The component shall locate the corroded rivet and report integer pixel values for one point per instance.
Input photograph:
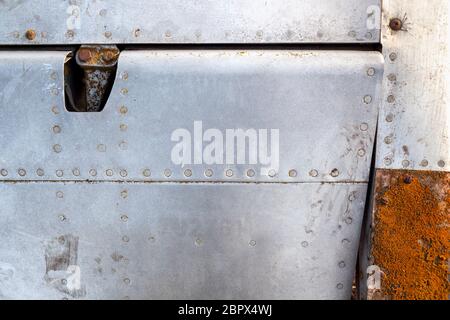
(313, 173)
(109, 172)
(334, 173)
(361, 152)
(40, 172)
(123, 173)
(393, 56)
(59, 173)
(396, 24)
(367, 99)
(407, 179)
(252, 243)
(250, 173)
(123, 127)
(391, 99)
(305, 244)
(101, 148)
(292, 173)
(209, 173)
(22, 172)
(124, 218)
(441, 163)
(392, 77)
(57, 148)
(364, 126)
(167, 173)
(56, 129)
(371, 72)
(146, 173)
(60, 194)
(124, 91)
(76, 172)
(229, 173)
(187, 173)
(342, 264)
(30, 34)
(272, 173)
(340, 286)
(93, 172)
(4, 172)
(125, 239)
(123, 110)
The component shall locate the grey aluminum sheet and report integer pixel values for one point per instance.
(185, 241)
(190, 21)
(324, 103)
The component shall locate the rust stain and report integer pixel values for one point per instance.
(411, 242)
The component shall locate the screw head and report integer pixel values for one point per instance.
(396, 24)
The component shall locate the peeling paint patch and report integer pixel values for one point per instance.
(411, 239)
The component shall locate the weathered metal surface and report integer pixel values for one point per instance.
(414, 120)
(324, 104)
(186, 241)
(189, 21)
(409, 254)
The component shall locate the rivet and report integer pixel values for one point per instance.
(305, 244)
(62, 217)
(250, 173)
(124, 194)
(388, 140)
(167, 173)
(168, 34)
(387, 161)
(272, 173)
(57, 148)
(391, 99)
(123, 173)
(441, 163)
(126, 281)
(125, 239)
(342, 264)
(55, 91)
(4, 172)
(55, 110)
(123, 110)
(124, 75)
(361, 152)
(70, 34)
(124, 218)
(252, 243)
(146, 173)
(345, 241)
(56, 129)
(60, 194)
(64, 281)
(340, 286)
(371, 72)
(408, 179)
(124, 91)
(393, 56)
(390, 117)
(76, 172)
(61, 240)
(151, 239)
(229, 173)
(123, 145)
(30, 34)
(109, 172)
(396, 24)
(101, 148)
(40, 172)
(314, 173)
(349, 220)
(369, 35)
(103, 12)
(209, 173)
(22, 172)
(364, 126)
(93, 172)
(334, 173)
(123, 127)
(292, 173)
(59, 173)
(392, 77)
(424, 163)
(187, 173)
(198, 242)
(405, 163)
(108, 34)
(367, 99)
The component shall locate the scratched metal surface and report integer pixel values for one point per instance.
(325, 104)
(189, 21)
(185, 241)
(414, 123)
